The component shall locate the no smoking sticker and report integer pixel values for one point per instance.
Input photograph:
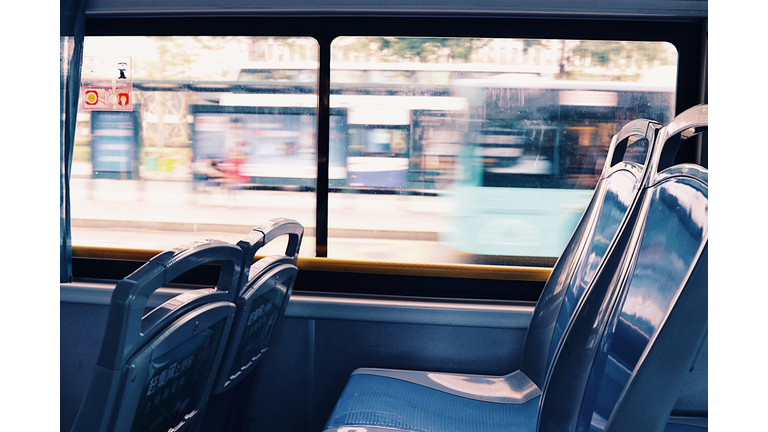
(98, 98)
(107, 83)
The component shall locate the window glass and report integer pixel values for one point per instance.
(475, 150)
(185, 138)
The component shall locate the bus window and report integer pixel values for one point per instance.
(214, 135)
(441, 150)
(458, 154)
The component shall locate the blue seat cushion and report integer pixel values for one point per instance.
(383, 402)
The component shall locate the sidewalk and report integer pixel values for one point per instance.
(84, 170)
(175, 206)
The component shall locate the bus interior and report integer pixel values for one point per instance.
(373, 217)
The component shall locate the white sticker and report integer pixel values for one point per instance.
(107, 83)
(109, 69)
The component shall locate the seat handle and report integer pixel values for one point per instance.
(266, 232)
(263, 234)
(128, 328)
(695, 119)
(618, 147)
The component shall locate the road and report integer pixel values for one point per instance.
(157, 214)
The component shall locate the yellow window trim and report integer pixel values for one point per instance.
(463, 271)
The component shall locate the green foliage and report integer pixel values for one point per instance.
(422, 50)
(531, 43)
(604, 52)
(461, 48)
(177, 57)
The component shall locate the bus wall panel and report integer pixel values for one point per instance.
(302, 375)
(279, 400)
(693, 399)
(81, 333)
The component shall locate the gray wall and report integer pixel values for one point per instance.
(322, 340)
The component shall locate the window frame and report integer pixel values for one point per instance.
(686, 34)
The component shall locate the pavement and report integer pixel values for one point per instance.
(160, 214)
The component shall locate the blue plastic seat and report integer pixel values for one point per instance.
(265, 289)
(156, 370)
(629, 352)
(431, 401)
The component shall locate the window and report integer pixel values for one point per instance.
(215, 137)
(441, 150)
(491, 160)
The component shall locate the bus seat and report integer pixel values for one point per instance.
(266, 286)
(675, 235)
(627, 355)
(155, 371)
(426, 401)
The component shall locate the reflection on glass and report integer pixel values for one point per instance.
(491, 146)
(637, 150)
(222, 136)
(441, 150)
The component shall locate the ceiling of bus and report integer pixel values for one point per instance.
(629, 8)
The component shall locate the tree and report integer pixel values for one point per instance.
(182, 58)
(177, 59)
(422, 50)
(620, 55)
(293, 48)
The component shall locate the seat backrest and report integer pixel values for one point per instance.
(155, 370)
(614, 197)
(266, 287)
(627, 353)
